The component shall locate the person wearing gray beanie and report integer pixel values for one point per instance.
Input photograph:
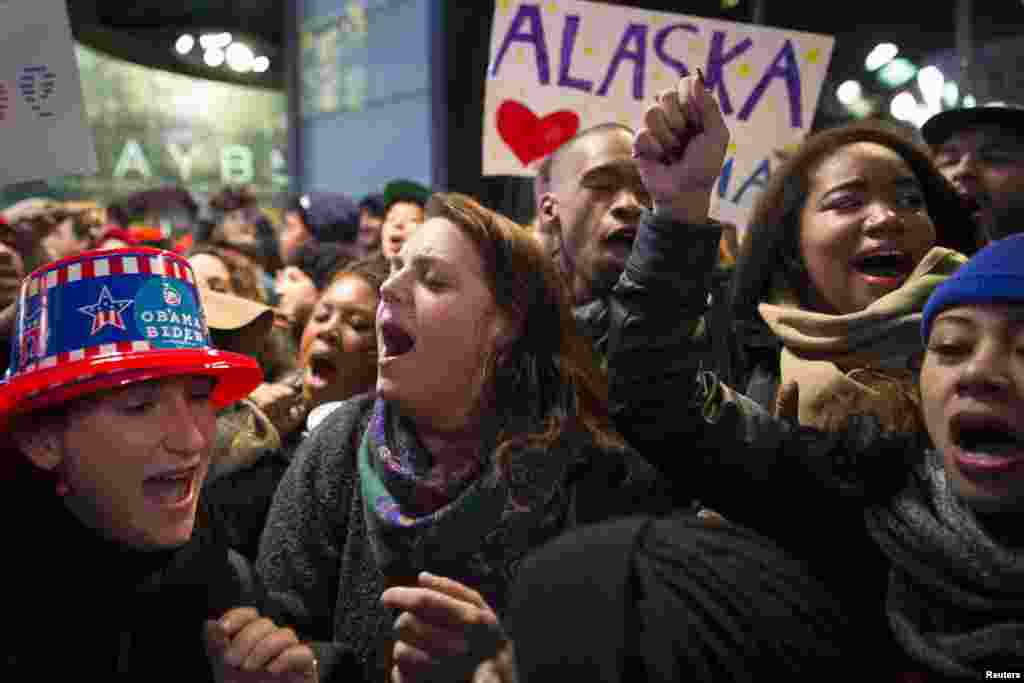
(320, 216)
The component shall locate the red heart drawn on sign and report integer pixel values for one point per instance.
(531, 137)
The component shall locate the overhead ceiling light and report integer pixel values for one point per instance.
(969, 101)
(904, 107)
(239, 57)
(184, 44)
(897, 72)
(849, 92)
(213, 57)
(220, 48)
(882, 54)
(861, 108)
(211, 41)
(950, 94)
(931, 82)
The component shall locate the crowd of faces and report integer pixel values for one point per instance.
(425, 337)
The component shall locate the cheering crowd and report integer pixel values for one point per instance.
(409, 439)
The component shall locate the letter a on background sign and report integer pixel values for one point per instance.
(561, 66)
(43, 131)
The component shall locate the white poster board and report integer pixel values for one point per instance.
(560, 66)
(43, 130)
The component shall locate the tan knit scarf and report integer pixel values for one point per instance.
(836, 358)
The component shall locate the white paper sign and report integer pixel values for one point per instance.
(43, 130)
(561, 66)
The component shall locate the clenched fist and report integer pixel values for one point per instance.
(679, 148)
(246, 648)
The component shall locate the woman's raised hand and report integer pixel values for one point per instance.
(679, 147)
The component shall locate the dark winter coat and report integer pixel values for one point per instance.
(86, 608)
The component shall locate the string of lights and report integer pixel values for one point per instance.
(221, 50)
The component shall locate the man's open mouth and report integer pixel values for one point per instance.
(623, 237)
(394, 341)
(885, 264)
(322, 370)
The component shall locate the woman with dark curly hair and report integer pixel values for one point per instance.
(337, 360)
(846, 242)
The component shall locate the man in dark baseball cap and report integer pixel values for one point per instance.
(981, 151)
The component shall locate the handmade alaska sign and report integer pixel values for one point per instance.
(560, 66)
(43, 131)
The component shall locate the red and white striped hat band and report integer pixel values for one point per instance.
(167, 264)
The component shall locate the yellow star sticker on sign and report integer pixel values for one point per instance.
(503, 5)
(731, 149)
(812, 55)
(743, 70)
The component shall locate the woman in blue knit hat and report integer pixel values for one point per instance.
(923, 542)
(108, 415)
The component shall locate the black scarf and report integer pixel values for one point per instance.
(956, 595)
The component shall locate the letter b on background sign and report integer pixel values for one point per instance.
(236, 165)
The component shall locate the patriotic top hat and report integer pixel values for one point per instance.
(103, 319)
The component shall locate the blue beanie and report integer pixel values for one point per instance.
(995, 274)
